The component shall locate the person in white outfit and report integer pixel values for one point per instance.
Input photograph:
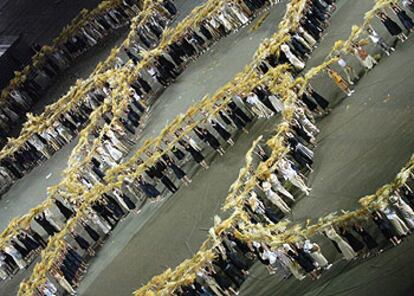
(364, 57)
(348, 70)
(17, 257)
(314, 251)
(105, 157)
(399, 225)
(103, 225)
(113, 152)
(117, 142)
(257, 206)
(3, 268)
(292, 176)
(49, 289)
(274, 198)
(309, 39)
(379, 41)
(404, 209)
(235, 9)
(258, 107)
(345, 248)
(294, 60)
(305, 122)
(278, 187)
(276, 103)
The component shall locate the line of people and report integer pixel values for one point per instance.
(162, 70)
(42, 145)
(22, 97)
(354, 239)
(113, 206)
(366, 60)
(358, 238)
(226, 273)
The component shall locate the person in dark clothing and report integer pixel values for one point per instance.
(368, 240)
(128, 201)
(406, 194)
(8, 259)
(300, 152)
(391, 26)
(305, 261)
(91, 232)
(131, 56)
(66, 212)
(158, 172)
(30, 243)
(95, 167)
(206, 32)
(356, 244)
(22, 250)
(225, 117)
(197, 156)
(240, 113)
(133, 116)
(149, 190)
(403, 17)
(46, 225)
(237, 121)
(37, 237)
(386, 228)
(114, 206)
(178, 153)
(83, 243)
(127, 125)
(310, 103)
(222, 279)
(101, 208)
(170, 7)
(212, 141)
(179, 173)
(144, 85)
(224, 134)
(230, 270)
(322, 102)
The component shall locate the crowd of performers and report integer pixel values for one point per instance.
(23, 96)
(269, 203)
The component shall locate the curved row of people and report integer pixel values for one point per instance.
(271, 202)
(111, 154)
(353, 240)
(159, 73)
(170, 188)
(236, 117)
(346, 76)
(117, 142)
(23, 96)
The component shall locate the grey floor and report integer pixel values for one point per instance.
(217, 66)
(363, 143)
(31, 190)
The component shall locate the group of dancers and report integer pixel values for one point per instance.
(117, 142)
(22, 96)
(113, 206)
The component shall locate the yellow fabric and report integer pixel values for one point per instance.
(277, 79)
(166, 283)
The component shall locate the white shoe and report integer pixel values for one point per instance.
(350, 93)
